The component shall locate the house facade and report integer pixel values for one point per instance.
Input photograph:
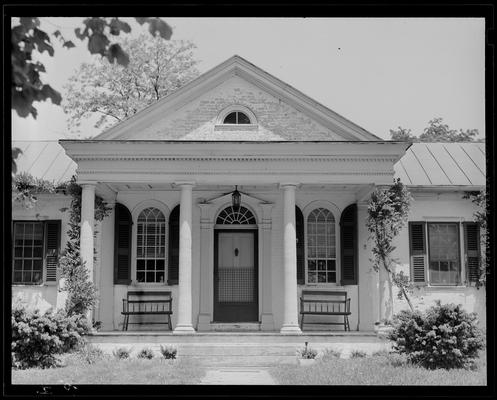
(302, 176)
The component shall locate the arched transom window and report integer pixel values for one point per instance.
(321, 247)
(236, 117)
(233, 216)
(151, 246)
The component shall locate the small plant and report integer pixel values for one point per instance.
(358, 354)
(307, 352)
(381, 353)
(445, 336)
(90, 354)
(147, 353)
(168, 352)
(121, 353)
(330, 353)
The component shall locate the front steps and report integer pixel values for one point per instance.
(223, 349)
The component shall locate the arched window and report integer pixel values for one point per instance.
(237, 118)
(321, 247)
(151, 246)
(236, 216)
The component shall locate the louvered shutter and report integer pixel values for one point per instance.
(348, 245)
(418, 254)
(173, 253)
(52, 250)
(471, 248)
(299, 227)
(122, 245)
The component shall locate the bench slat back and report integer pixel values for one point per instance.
(324, 301)
(324, 293)
(148, 301)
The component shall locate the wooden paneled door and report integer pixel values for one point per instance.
(235, 276)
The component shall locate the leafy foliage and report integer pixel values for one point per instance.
(168, 352)
(358, 354)
(147, 353)
(16, 152)
(113, 93)
(307, 352)
(480, 217)
(90, 354)
(121, 353)
(445, 336)
(27, 38)
(82, 293)
(387, 215)
(37, 338)
(25, 186)
(436, 131)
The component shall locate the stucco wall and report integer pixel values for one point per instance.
(196, 119)
(47, 207)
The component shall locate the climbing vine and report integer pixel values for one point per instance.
(25, 188)
(479, 198)
(387, 215)
(82, 293)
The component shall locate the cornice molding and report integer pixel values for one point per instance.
(204, 172)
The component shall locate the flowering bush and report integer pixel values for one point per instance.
(147, 353)
(445, 336)
(306, 352)
(37, 338)
(168, 352)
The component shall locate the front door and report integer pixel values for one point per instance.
(235, 276)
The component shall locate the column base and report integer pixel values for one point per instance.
(267, 322)
(204, 322)
(290, 330)
(183, 330)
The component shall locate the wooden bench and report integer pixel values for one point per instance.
(313, 302)
(147, 303)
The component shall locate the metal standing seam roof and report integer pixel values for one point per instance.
(424, 164)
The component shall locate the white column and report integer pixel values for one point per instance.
(290, 310)
(267, 320)
(184, 324)
(87, 229)
(206, 268)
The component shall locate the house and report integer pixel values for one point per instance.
(302, 175)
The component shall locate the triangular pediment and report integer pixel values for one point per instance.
(279, 111)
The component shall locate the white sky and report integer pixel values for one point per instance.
(378, 72)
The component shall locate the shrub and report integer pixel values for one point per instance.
(306, 352)
(168, 352)
(445, 336)
(122, 353)
(90, 354)
(146, 353)
(37, 338)
(357, 354)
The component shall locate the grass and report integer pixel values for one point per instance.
(380, 369)
(109, 370)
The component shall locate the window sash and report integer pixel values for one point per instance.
(151, 247)
(444, 253)
(28, 262)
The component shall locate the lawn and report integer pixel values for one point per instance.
(110, 370)
(376, 370)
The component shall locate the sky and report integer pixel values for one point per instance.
(380, 73)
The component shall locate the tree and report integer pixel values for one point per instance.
(436, 131)
(388, 209)
(112, 92)
(27, 86)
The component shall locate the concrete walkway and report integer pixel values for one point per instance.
(237, 376)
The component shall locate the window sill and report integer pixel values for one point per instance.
(236, 127)
(444, 287)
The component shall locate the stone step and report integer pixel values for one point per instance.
(242, 361)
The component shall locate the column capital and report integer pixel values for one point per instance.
(87, 184)
(183, 184)
(289, 185)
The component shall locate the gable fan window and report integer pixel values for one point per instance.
(36, 250)
(151, 246)
(236, 118)
(321, 247)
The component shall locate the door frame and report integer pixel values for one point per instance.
(255, 232)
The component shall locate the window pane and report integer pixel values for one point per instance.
(140, 276)
(243, 119)
(444, 263)
(18, 265)
(321, 276)
(321, 265)
(17, 277)
(38, 252)
(26, 276)
(140, 264)
(312, 265)
(160, 277)
(37, 277)
(160, 265)
(150, 276)
(312, 277)
(230, 118)
(38, 265)
(18, 252)
(150, 265)
(332, 277)
(28, 252)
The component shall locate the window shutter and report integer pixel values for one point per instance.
(52, 250)
(299, 228)
(471, 250)
(173, 253)
(122, 245)
(348, 244)
(418, 254)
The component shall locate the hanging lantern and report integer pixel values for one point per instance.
(236, 198)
